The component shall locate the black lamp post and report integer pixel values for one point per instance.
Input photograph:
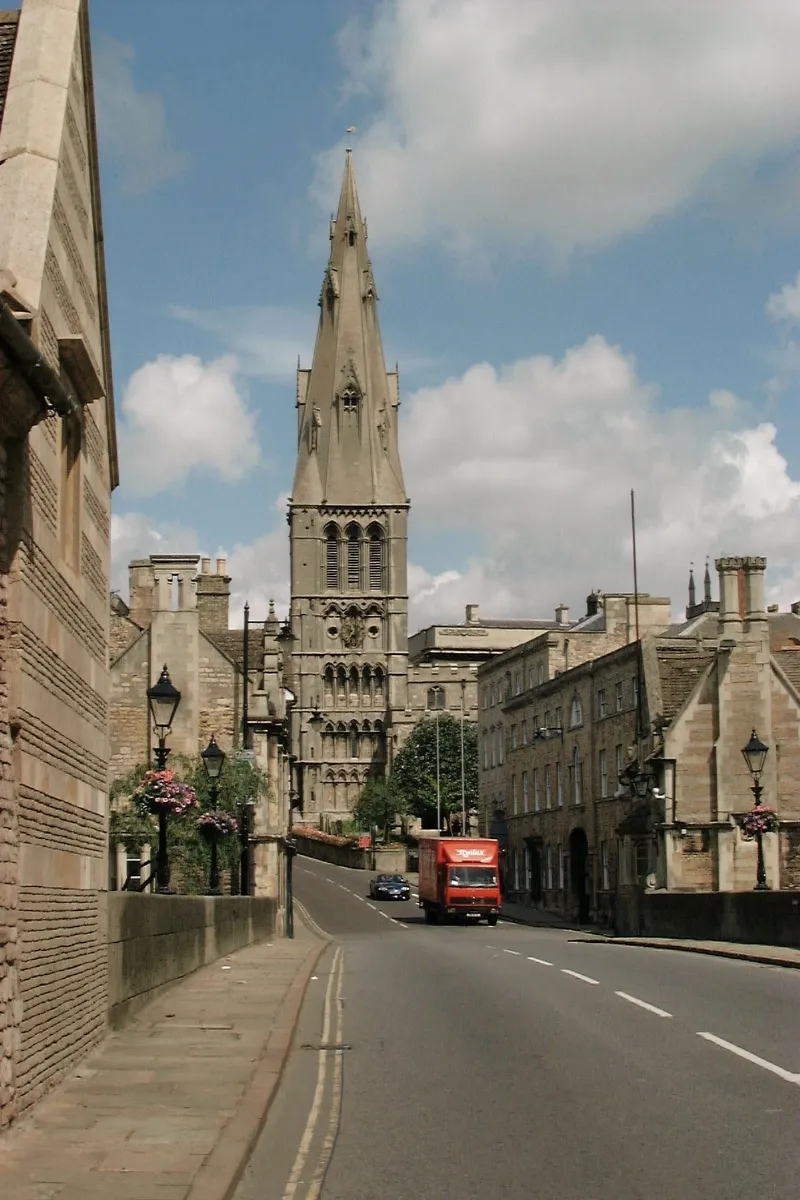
(163, 698)
(213, 758)
(755, 755)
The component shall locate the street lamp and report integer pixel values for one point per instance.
(755, 755)
(163, 698)
(213, 758)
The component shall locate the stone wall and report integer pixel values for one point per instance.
(389, 861)
(155, 940)
(10, 1007)
(766, 918)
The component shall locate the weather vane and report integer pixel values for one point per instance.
(350, 131)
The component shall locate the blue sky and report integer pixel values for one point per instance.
(584, 228)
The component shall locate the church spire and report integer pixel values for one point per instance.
(347, 427)
(692, 594)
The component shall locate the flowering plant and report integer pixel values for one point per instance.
(160, 791)
(219, 824)
(760, 819)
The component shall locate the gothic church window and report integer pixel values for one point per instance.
(353, 556)
(350, 401)
(376, 558)
(332, 558)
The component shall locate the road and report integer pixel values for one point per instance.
(472, 1062)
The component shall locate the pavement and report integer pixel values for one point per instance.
(775, 956)
(171, 1106)
(527, 1062)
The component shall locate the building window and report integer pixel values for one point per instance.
(605, 873)
(601, 702)
(540, 673)
(436, 697)
(376, 558)
(525, 733)
(577, 781)
(561, 857)
(536, 804)
(531, 678)
(547, 796)
(535, 726)
(559, 787)
(618, 697)
(354, 747)
(576, 713)
(332, 559)
(619, 761)
(493, 740)
(635, 690)
(513, 737)
(548, 859)
(485, 700)
(603, 773)
(354, 557)
(517, 683)
(524, 791)
(350, 400)
(71, 436)
(501, 740)
(547, 718)
(514, 794)
(485, 750)
(492, 697)
(557, 719)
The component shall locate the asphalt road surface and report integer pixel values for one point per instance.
(469, 1062)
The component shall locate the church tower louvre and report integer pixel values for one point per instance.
(348, 519)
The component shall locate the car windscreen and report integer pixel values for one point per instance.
(393, 879)
(473, 877)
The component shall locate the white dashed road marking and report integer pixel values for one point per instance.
(577, 975)
(542, 961)
(511, 952)
(789, 1076)
(659, 1012)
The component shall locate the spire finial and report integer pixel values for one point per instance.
(350, 131)
(692, 593)
(707, 584)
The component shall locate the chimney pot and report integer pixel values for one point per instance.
(771, 608)
(221, 564)
(205, 566)
(562, 614)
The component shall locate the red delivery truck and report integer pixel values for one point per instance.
(458, 877)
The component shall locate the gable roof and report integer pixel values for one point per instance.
(789, 663)
(231, 643)
(8, 36)
(679, 669)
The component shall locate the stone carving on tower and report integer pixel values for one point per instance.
(348, 519)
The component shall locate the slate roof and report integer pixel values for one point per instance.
(231, 643)
(679, 668)
(8, 36)
(789, 663)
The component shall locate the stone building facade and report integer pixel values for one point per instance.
(178, 614)
(677, 705)
(57, 470)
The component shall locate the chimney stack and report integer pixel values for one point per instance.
(472, 614)
(213, 596)
(755, 613)
(731, 596)
(562, 614)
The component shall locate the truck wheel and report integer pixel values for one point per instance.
(430, 917)
(492, 920)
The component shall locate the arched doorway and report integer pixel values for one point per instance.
(579, 883)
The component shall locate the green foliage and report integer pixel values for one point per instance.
(380, 804)
(189, 853)
(414, 772)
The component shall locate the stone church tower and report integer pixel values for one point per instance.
(348, 518)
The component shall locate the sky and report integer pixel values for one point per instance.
(584, 222)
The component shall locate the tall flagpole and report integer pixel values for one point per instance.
(463, 793)
(438, 787)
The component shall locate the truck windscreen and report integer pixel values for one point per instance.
(473, 877)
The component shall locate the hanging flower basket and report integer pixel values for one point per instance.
(759, 820)
(214, 825)
(160, 792)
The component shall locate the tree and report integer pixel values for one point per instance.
(414, 772)
(379, 804)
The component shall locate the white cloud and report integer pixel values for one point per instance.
(181, 415)
(534, 463)
(266, 340)
(132, 126)
(134, 535)
(784, 305)
(259, 573)
(564, 121)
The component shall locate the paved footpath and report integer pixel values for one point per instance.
(170, 1107)
(773, 956)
